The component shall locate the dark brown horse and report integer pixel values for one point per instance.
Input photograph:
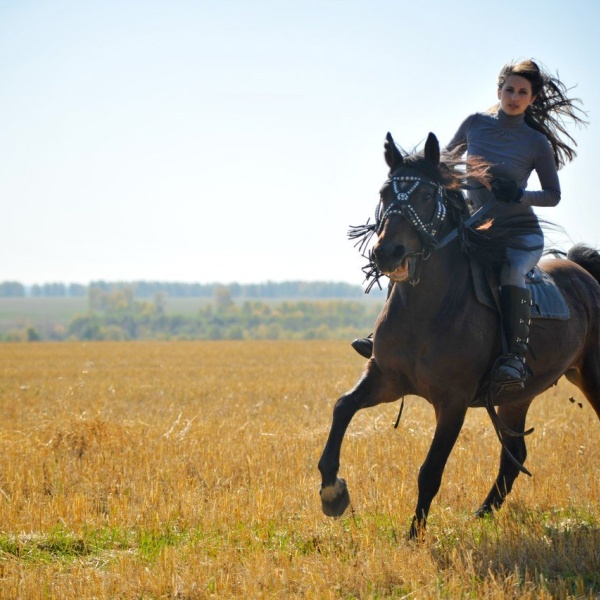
(435, 340)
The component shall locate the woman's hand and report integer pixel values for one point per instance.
(506, 190)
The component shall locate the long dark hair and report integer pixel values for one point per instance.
(551, 109)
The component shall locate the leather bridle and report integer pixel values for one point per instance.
(401, 206)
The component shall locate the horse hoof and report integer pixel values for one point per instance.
(416, 532)
(335, 498)
(483, 511)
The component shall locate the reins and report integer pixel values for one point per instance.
(476, 216)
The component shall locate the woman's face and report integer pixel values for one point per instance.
(515, 95)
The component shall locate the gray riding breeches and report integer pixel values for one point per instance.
(519, 262)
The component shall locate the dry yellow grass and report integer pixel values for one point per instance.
(188, 470)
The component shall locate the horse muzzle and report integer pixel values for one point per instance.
(393, 261)
(401, 272)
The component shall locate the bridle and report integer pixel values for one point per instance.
(401, 206)
(428, 232)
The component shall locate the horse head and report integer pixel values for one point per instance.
(411, 211)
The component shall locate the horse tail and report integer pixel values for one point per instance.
(586, 257)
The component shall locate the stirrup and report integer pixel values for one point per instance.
(364, 346)
(510, 371)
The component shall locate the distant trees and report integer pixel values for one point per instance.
(58, 290)
(149, 289)
(118, 315)
(137, 311)
(11, 289)
(15, 289)
(286, 289)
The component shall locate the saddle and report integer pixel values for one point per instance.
(547, 300)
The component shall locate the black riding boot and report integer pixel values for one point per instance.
(364, 346)
(515, 303)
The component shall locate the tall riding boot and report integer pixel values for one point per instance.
(515, 304)
(364, 346)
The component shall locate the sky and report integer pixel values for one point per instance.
(236, 141)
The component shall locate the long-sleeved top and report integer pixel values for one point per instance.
(514, 151)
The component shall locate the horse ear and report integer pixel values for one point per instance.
(393, 158)
(432, 149)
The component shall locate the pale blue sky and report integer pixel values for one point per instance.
(233, 140)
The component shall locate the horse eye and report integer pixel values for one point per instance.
(427, 196)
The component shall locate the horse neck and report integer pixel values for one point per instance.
(443, 275)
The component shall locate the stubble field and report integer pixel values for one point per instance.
(188, 470)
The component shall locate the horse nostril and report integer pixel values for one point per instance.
(389, 251)
(398, 252)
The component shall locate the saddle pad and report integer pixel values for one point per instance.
(548, 301)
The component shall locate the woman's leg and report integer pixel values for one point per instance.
(519, 262)
(515, 305)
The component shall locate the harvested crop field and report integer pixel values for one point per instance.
(189, 470)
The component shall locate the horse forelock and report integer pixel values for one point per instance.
(424, 166)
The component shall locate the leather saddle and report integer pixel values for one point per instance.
(547, 300)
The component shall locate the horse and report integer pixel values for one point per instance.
(433, 338)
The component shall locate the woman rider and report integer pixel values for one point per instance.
(523, 133)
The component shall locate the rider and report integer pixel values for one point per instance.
(523, 133)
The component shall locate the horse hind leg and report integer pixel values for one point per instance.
(450, 417)
(513, 416)
(587, 379)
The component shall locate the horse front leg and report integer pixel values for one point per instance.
(450, 416)
(369, 391)
(513, 416)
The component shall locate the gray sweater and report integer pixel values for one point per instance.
(515, 150)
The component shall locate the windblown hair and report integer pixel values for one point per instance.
(453, 170)
(551, 110)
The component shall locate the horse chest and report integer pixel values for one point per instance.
(427, 358)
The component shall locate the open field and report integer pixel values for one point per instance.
(188, 470)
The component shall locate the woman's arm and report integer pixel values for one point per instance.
(545, 167)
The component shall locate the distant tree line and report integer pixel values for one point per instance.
(149, 289)
(14, 289)
(119, 315)
(11, 289)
